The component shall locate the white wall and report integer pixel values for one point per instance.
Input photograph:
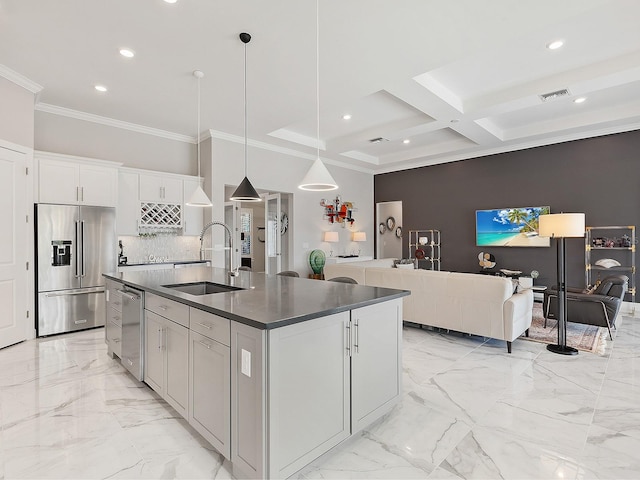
(278, 172)
(60, 134)
(16, 114)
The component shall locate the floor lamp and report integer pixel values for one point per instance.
(561, 226)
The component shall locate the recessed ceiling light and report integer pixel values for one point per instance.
(556, 44)
(100, 88)
(170, 1)
(455, 120)
(125, 52)
(346, 116)
(580, 100)
(406, 140)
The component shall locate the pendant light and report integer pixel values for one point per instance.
(245, 191)
(199, 198)
(318, 178)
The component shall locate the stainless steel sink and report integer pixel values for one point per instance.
(202, 288)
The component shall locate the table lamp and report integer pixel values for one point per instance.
(359, 237)
(331, 237)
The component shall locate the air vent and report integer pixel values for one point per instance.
(378, 140)
(554, 95)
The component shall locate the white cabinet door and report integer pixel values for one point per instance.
(153, 353)
(151, 188)
(376, 361)
(176, 358)
(210, 391)
(59, 182)
(193, 218)
(308, 403)
(128, 214)
(172, 190)
(98, 186)
(72, 183)
(160, 189)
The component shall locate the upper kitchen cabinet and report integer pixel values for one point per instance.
(160, 188)
(193, 216)
(76, 181)
(128, 212)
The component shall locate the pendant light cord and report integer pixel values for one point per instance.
(198, 135)
(245, 110)
(317, 79)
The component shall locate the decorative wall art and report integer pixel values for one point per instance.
(337, 211)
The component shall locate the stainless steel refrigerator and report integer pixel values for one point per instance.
(74, 246)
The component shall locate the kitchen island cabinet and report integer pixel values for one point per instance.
(283, 369)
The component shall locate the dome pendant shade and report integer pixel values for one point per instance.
(199, 198)
(245, 193)
(318, 178)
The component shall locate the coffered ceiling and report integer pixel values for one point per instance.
(433, 81)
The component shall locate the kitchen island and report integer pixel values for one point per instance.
(275, 372)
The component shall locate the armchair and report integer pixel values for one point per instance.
(599, 307)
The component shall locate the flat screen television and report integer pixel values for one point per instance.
(510, 227)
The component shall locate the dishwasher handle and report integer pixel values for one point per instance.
(129, 295)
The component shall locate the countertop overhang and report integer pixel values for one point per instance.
(266, 301)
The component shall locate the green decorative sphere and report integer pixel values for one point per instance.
(316, 260)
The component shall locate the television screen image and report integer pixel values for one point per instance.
(510, 227)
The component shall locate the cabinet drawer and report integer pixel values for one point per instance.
(114, 316)
(114, 337)
(211, 326)
(114, 300)
(164, 307)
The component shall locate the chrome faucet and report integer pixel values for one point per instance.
(232, 272)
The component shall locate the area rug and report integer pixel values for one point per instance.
(587, 338)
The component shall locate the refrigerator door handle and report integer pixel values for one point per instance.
(82, 236)
(77, 252)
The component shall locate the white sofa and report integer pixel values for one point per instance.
(482, 305)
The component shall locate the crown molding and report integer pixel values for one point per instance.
(41, 154)
(19, 79)
(512, 148)
(284, 150)
(112, 122)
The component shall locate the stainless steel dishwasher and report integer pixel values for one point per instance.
(132, 328)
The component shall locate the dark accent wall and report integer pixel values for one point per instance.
(598, 176)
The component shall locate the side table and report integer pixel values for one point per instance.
(538, 293)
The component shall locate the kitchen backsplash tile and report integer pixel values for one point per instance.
(164, 248)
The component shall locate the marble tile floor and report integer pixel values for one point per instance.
(469, 410)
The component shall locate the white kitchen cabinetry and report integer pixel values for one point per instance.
(210, 379)
(193, 218)
(160, 188)
(319, 382)
(166, 368)
(128, 211)
(74, 181)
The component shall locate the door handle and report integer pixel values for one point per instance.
(204, 344)
(78, 322)
(65, 294)
(76, 259)
(356, 346)
(130, 296)
(209, 327)
(348, 339)
(82, 233)
(159, 339)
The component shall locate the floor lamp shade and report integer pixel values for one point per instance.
(318, 178)
(561, 225)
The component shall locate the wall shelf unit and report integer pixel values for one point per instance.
(424, 246)
(616, 244)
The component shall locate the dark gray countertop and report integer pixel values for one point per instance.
(267, 301)
(173, 262)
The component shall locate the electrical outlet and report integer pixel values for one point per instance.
(245, 362)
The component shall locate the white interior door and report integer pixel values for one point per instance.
(273, 241)
(13, 250)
